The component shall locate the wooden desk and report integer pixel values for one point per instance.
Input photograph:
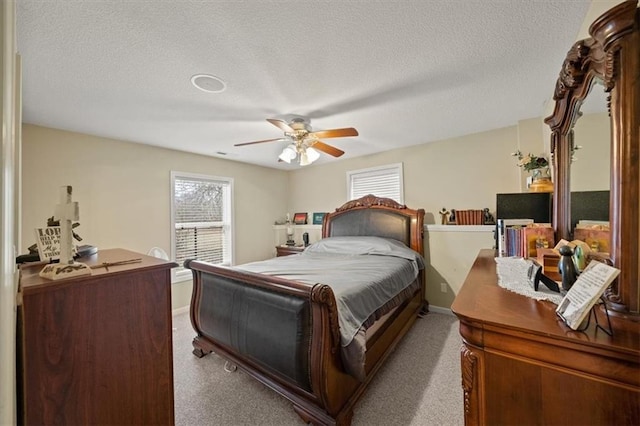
(97, 349)
(522, 365)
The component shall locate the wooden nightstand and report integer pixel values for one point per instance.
(288, 250)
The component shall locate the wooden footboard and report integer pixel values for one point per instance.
(295, 349)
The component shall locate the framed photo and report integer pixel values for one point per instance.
(300, 218)
(317, 218)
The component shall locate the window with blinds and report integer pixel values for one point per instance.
(384, 181)
(201, 220)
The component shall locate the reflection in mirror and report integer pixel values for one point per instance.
(591, 165)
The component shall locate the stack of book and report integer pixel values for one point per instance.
(523, 237)
(596, 234)
(469, 217)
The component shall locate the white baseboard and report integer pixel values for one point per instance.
(440, 310)
(179, 311)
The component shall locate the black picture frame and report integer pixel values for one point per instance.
(300, 218)
(318, 218)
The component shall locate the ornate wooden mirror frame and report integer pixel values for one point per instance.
(611, 56)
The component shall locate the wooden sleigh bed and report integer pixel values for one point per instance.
(286, 333)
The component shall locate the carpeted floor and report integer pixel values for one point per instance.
(420, 384)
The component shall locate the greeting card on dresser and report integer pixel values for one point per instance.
(585, 292)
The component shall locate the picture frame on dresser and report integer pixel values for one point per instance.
(318, 218)
(300, 218)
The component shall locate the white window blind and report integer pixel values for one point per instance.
(385, 181)
(201, 220)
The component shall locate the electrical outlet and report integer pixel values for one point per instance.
(443, 287)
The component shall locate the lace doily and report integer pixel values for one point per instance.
(513, 275)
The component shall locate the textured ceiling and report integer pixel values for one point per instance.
(401, 72)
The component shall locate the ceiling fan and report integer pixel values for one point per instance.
(305, 143)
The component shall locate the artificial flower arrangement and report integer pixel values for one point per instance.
(530, 162)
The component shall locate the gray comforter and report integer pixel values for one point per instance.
(363, 272)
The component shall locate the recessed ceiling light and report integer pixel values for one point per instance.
(208, 83)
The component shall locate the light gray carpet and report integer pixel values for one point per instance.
(420, 384)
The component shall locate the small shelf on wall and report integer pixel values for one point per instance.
(459, 228)
(307, 226)
(428, 227)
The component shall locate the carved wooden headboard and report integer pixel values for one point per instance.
(380, 217)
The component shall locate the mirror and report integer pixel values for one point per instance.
(591, 161)
(591, 170)
(608, 60)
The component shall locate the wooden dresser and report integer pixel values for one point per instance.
(521, 365)
(97, 349)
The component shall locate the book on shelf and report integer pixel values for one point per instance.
(523, 237)
(504, 226)
(587, 223)
(469, 217)
(536, 236)
(597, 236)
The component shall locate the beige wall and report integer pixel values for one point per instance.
(449, 253)
(460, 173)
(123, 190)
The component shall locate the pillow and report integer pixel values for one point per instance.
(358, 246)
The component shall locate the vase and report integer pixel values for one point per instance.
(541, 180)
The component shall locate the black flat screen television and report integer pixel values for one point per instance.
(589, 205)
(525, 205)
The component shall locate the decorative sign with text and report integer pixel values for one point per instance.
(585, 292)
(48, 241)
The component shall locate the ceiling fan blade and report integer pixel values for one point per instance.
(265, 140)
(327, 149)
(334, 133)
(281, 125)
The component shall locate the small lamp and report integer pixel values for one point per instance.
(290, 240)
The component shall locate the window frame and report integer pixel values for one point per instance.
(397, 167)
(179, 273)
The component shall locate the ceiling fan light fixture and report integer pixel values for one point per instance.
(288, 153)
(312, 155)
(308, 156)
(304, 159)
